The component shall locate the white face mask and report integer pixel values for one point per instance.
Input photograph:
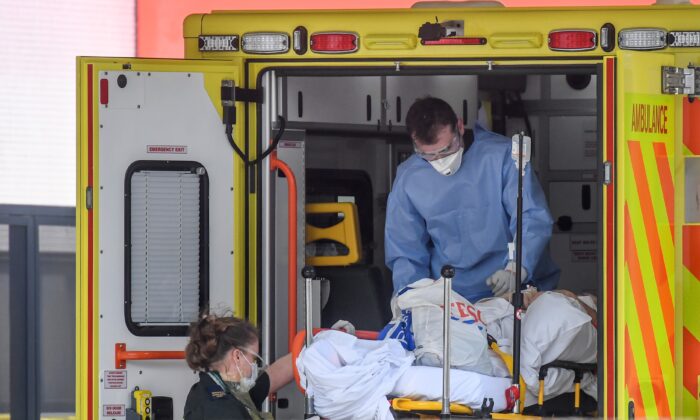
(448, 165)
(246, 383)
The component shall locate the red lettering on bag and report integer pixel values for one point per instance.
(460, 308)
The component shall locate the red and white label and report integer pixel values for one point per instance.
(165, 148)
(115, 379)
(118, 410)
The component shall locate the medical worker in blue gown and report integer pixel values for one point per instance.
(454, 202)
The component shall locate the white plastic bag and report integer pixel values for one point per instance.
(468, 344)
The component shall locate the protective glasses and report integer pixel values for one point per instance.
(257, 359)
(451, 148)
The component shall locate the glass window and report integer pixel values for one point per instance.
(56, 302)
(41, 151)
(166, 246)
(4, 320)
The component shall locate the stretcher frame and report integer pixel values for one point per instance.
(516, 392)
(445, 407)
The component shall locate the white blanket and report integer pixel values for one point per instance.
(350, 378)
(424, 383)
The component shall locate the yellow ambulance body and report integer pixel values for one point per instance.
(146, 124)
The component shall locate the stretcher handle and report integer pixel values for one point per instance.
(298, 345)
(578, 368)
(121, 355)
(276, 164)
(562, 364)
(447, 272)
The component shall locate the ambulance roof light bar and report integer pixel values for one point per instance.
(334, 42)
(572, 40)
(265, 42)
(642, 39)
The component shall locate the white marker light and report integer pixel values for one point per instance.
(265, 42)
(642, 39)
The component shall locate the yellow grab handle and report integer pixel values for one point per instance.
(516, 40)
(390, 41)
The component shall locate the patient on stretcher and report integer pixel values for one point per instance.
(557, 325)
(348, 372)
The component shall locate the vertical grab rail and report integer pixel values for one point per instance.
(517, 295)
(309, 274)
(276, 164)
(447, 272)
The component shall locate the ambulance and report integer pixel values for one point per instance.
(209, 182)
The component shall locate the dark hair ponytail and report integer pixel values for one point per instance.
(212, 336)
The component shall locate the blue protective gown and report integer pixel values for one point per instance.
(467, 220)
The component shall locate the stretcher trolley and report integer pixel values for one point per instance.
(405, 406)
(515, 393)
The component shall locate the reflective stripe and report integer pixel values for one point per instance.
(647, 326)
(691, 326)
(662, 162)
(691, 362)
(632, 378)
(651, 225)
(691, 125)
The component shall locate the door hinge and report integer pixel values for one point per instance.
(680, 81)
(88, 198)
(607, 172)
(249, 95)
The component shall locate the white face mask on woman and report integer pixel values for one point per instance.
(448, 165)
(245, 383)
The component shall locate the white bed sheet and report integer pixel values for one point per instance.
(424, 383)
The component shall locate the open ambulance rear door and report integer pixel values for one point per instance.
(657, 282)
(158, 187)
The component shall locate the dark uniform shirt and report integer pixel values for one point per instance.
(208, 400)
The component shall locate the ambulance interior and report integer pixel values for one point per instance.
(345, 137)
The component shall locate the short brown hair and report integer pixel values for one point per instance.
(427, 116)
(212, 336)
